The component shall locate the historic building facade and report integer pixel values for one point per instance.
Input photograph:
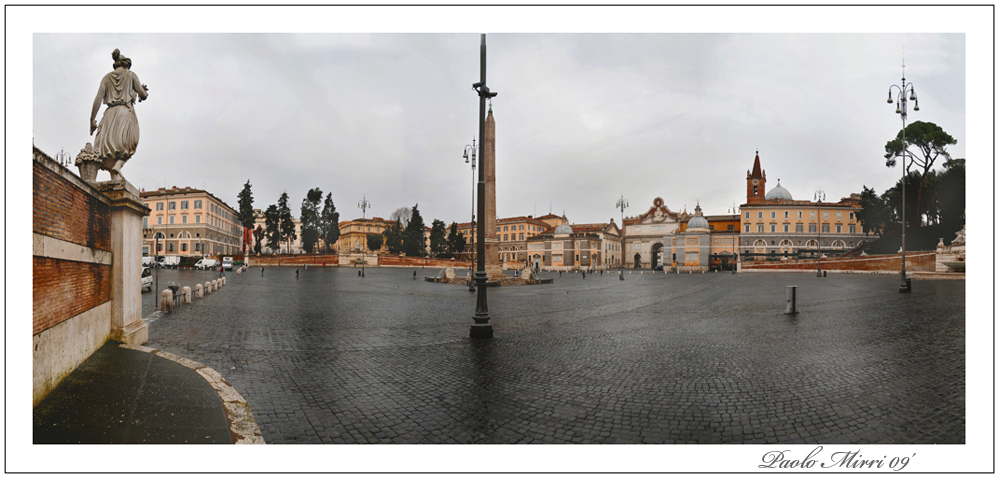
(511, 234)
(292, 247)
(354, 234)
(189, 222)
(776, 226)
(569, 247)
(703, 243)
(644, 235)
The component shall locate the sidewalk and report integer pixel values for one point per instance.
(138, 396)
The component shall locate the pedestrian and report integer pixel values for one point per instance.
(296, 273)
(359, 273)
(584, 274)
(222, 272)
(414, 275)
(262, 271)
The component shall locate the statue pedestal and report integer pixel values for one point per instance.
(493, 268)
(127, 211)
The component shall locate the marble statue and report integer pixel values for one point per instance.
(118, 133)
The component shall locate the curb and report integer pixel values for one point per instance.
(242, 427)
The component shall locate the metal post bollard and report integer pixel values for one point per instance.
(790, 299)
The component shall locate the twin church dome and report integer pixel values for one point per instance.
(778, 193)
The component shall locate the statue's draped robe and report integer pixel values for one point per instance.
(118, 132)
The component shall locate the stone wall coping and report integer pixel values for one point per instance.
(45, 160)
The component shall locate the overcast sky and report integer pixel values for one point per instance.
(581, 118)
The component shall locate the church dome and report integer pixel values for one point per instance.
(563, 229)
(778, 193)
(697, 222)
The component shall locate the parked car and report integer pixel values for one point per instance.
(227, 263)
(205, 263)
(147, 279)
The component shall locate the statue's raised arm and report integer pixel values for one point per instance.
(118, 133)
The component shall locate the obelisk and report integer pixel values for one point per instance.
(493, 268)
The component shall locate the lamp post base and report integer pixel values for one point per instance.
(481, 331)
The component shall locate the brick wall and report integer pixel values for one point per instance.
(418, 262)
(63, 289)
(294, 259)
(916, 261)
(63, 211)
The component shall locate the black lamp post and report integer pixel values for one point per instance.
(364, 205)
(622, 204)
(472, 222)
(481, 328)
(901, 97)
(819, 196)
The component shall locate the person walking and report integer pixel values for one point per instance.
(414, 275)
(296, 273)
(222, 271)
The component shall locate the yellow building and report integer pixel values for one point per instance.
(568, 247)
(702, 243)
(189, 222)
(776, 227)
(354, 234)
(511, 234)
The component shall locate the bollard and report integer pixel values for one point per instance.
(186, 295)
(790, 300)
(167, 300)
(222, 281)
(215, 285)
(208, 287)
(199, 291)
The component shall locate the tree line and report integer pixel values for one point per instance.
(405, 234)
(935, 199)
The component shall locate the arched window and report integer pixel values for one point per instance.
(759, 246)
(786, 246)
(811, 244)
(839, 244)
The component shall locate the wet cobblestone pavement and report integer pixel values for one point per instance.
(704, 358)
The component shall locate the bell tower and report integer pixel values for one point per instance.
(755, 181)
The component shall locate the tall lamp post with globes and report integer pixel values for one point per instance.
(820, 197)
(472, 222)
(901, 96)
(481, 328)
(364, 205)
(622, 204)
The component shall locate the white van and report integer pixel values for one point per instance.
(147, 261)
(205, 263)
(227, 263)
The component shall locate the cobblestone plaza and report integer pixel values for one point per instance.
(330, 357)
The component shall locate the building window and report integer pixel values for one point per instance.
(786, 215)
(159, 220)
(746, 228)
(755, 190)
(197, 204)
(729, 227)
(159, 206)
(798, 228)
(773, 228)
(760, 228)
(522, 228)
(812, 215)
(505, 228)
(184, 247)
(826, 215)
(838, 215)
(171, 219)
(159, 247)
(521, 237)
(773, 214)
(800, 215)
(171, 205)
(184, 205)
(145, 222)
(812, 227)
(838, 229)
(170, 247)
(760, 215)
(850, 228)
(786, 228)
(748, 215)
(498, 229)
(197, 218)
(184, 219)
(145, 250)
(826, 228)
(851, 215)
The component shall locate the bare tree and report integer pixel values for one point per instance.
(402, 215)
